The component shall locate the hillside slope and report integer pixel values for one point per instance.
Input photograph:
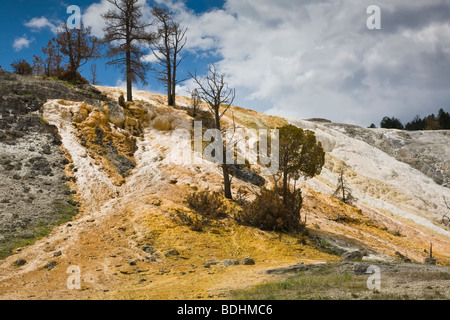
(128, 240)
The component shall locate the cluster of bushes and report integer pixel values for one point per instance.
(22, 67)
(265, 212)
(209, 205)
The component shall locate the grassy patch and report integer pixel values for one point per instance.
(62, 212)
(321, 284)
(330, 282)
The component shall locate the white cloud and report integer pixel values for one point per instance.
(22, 43)
(92, 17)
(318, 59)
(42, 23)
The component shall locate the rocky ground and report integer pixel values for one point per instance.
(34, 194)
(422, 150)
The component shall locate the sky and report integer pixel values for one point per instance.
(292, 58)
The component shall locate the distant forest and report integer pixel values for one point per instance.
(431, 122)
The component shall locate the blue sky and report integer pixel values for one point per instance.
(16, 16)
(294, 58)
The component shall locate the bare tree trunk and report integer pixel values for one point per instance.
(173, 84)
(285, 188)
(225, 168)
(226, 180)
(167, 51)
(171, 101)
(129, 68)
(93, 69)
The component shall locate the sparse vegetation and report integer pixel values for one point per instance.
(49, 64)
(61, 212)
(279, 209)
(321, 284)
(208, 204)
(332, 282)
(22, 67)
(343, 191)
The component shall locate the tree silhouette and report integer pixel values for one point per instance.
(391, 123)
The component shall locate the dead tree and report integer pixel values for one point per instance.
(93, 69)
(195, 102)
(172, 40)
(214, 91)
(445, 218)
(78, 46)
(50, 64)
(124, 33)
(343, 192)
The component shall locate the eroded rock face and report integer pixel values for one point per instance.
(33, 190)
(104, 143)
(426, 151)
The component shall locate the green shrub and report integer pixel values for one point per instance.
(267, 212)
